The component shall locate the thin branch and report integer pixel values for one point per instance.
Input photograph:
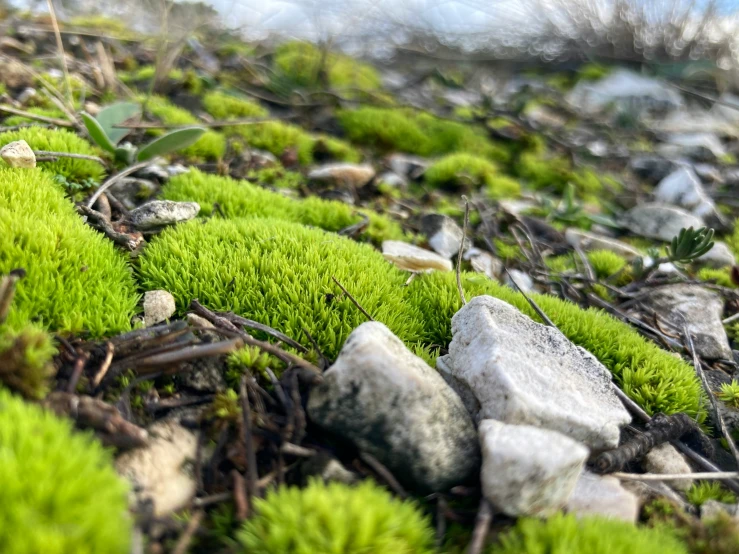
(673, 476)
(482, 526)
(461, 251)
(252, 475)
(183, 545)
(114, 179)
(60, 48)
(354, 301)
(69, 155)
(41, 118)
(533, 304)
(211, 124)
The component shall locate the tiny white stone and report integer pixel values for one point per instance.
(597, 495)
(18, 154)
(346, 174)
(158, 213)
(527, 470)
(159, 305)
(413, 258)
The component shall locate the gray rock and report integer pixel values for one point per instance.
(159, 213)
(160, 473)
(342, 174)
(443, 234)
(718, 256)
(522, 372)
(666, 460)
(659, 221)
(484, 262)
(711, 509)
(517, 279)
(176, 169)
(697, 146)
(526, 470)
(683, 188)
(327, 468)
(18, 154)
(392, 405)
(159, 305)
(153, 172)
(132, 192)
(392, 179)
(590, 241)
(410, 167)
(204, 376)
(708, 173)
(413, 258)
(603, 496)
(651, 168)
(701, 310)
(197, 321)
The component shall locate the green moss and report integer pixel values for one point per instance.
(652, 377)
(243, 199)
(277, 177)
(540, 171)
(25, 357)
(210, 146)
(333, 517)
(75, 171)
(112, 26)
(279, 273)
(605, 263)
(465, 170)
(224, 106)
(417, 133)
(76, 280)
(58, 490)
(508, 252)
(702, 491)
(567, 534)
(730, 393)
(719, 276)
(301, 63)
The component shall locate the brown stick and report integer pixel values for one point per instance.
(252, 475)
(482, 526)
(461, 250)
(43, 119)
(109, 350)
(183, 544)
(354, 300)
(68, 155)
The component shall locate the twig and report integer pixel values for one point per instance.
(183, 544)
(674, 476)
(355, 228)
(60, 48)
(298, 451)
(239, 495)
(114, 179)
(250, 324)
(252, 475)
(79, 368)
(384, 472)
(212, 124)
(354, 301)
(42, 118)
(460, 290)
(533, 304)
(191, 353)
(102, 224)
(109, 350)
(69, 155)
(482, 526)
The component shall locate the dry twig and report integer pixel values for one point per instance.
(460, 290)
(354, 300)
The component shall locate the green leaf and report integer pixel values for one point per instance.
(115, 114)
(97, 133)
(170, 142)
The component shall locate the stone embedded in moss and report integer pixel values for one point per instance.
(58, 490)
(463, 170)
(75, 171)
(243, 199)
(334, 517)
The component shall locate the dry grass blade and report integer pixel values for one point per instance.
(460, 290)
(354, 301)
(60, 48)
(34, 117)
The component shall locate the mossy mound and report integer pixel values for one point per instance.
(78, 173)
(463, 170)
(75, 279)
(568, 535)
(210, 146)
(58, 490)
(240, 199)
(333, 517)
(226, 106)
(279, 273)
(25, 359)
(418, 133)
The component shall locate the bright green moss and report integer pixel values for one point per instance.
(112, 26)
(417, 133)
(279, 273)
(719, 276)
(58, 490)
(58, 140)
(702, 491)
(25, 358)
(568, 535)
(301, 63)
(729, 393)
(44, 111)
(76, 280)
(605, 263)
(276, 176)
(541, 172)
(652, 377)
(586, 183)
(338, 518)
(242, 199)
(465, 170)
(593, 72)
(210, 146)
(335, 149)
(224, 106)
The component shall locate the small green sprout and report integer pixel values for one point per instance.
(730, 393)
(226, 405)
(704, 491)
(690, 244)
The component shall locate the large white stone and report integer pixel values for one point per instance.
(160, 472)
(522, 372)
(526, 470)
(413, 258)
(602, 496)
(666, 460)
(391, 404)
(590, 241)
(18, 154)
(683, 188)
(659, 221)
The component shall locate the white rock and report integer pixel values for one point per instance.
(693, 145)
(590, 241)
(683, 188)
(522, 372)
(627, 90)
(602, 496)
(160, 472)
(517, 277)
(484, 262)
(443, 234)
(526, 470)
(659, 221)
(666, 460)
(701, 309)
(342, 174)
(393, 180)
(159, 305)
(18, 154)
(413, 258)
(197, 321)
(410, 167)
(718, 256)
(26, 95)
(389, 403)
(159, 213)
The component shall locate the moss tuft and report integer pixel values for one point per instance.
(76, 280)
(721, 276)
(243, 199)
(567, 534)
(75, 171)
(58, 490)
(703, 491)
(334, 517)
(25, 359)
(605, 263)
(226, 106)
(460, 170)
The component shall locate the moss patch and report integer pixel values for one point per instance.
(226, 106)
(461, 170)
